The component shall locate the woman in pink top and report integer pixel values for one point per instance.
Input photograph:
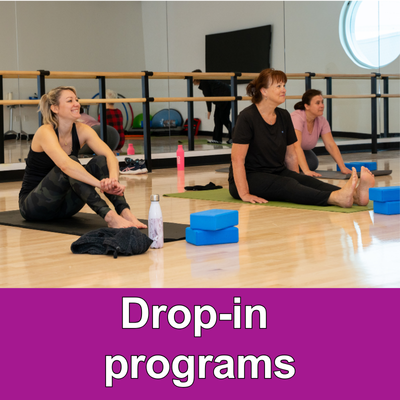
(309, 125)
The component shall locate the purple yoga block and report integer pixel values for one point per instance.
(199, 237)
(213, 220)
(390, 193)
(387, 207)
(371, 165)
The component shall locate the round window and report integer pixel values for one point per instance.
(370, 32)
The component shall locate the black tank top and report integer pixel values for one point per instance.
(38, 165)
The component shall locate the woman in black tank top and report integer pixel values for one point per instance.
(55, 184)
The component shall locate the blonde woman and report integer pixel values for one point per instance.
(55, 184)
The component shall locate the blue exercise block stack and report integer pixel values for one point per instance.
(386, 200)
(357, 165)
(213, 227)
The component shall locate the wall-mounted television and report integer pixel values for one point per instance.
(245, 50)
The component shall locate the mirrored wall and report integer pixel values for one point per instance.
(170, 37)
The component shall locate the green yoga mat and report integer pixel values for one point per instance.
(223, 195)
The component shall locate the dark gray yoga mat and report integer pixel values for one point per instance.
(339, 175)
(331, 174)
(82, 223)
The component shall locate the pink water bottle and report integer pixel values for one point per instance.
(181, 181)
(180, 158)
(131, 150)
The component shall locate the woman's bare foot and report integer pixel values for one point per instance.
(127, 214)
(116, 221)
(367, 181)
(344, 196)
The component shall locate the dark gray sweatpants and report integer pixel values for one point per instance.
(60, 196)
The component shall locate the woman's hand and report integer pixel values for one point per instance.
(253, 199)
(345, 170)
(312, 173)
(112, 186)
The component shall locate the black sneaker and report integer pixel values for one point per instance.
(214, 142)
(142, 166)
(229, 141)
(134, 167)
(130, 161)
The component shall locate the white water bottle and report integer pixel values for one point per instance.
(156, 227)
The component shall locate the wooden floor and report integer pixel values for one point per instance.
(278, 247)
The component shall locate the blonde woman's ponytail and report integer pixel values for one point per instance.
(49, 99)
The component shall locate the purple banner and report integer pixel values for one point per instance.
(199, 343)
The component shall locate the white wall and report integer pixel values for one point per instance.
(155, 34)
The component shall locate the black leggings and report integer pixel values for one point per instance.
(287, 186)
(312, 160)
(221, 118)
(60, 196)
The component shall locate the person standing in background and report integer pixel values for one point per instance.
(214, 88)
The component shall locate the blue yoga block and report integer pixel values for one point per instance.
(199, 237)
(213, 220)
(357, 165)
(387, 207)
(390, 193)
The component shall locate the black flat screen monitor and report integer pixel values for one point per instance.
(245, 50)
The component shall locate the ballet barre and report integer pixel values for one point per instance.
(234, 77)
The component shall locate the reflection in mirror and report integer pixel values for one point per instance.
(305, 50)
(88, 47)
(170, 37)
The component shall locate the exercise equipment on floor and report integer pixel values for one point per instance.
(340, 176)
(223, 195)
(82, 223)
(196, 126)
(112, 139)
(371, 165)
(386, 200)
(167, 118)
(215, 226)
(331, 174)
(138, 121)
